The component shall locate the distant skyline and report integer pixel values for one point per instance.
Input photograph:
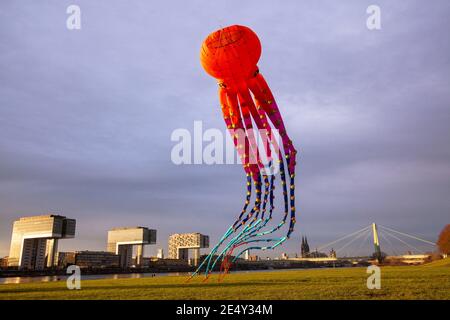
(86, 115)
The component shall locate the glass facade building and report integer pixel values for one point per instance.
(121, 241)
(34, 241)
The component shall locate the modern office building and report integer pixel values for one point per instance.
(88, 259)
(34, 242)
(121, 241)
(97, 259)
(180, 243)
(254, 258)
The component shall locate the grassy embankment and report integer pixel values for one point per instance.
(431, 281)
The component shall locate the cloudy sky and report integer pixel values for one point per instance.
(86, 115)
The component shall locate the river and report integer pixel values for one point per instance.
(28, 279)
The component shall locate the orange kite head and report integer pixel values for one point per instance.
(231, 53)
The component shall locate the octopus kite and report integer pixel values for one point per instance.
(249, 109)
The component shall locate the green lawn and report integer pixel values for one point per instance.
(420, 282)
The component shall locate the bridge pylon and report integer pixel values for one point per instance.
(376, 242)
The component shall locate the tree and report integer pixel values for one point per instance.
(443, 242)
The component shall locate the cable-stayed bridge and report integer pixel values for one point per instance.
(372, 242)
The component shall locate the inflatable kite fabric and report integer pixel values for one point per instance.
(231, 55)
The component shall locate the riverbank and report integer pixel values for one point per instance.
(157, 269)
(430, 281)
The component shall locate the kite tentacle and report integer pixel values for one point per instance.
(286, 208)
(244, 237)
(251, 152)
(229, 103)
(240, 140)
(255, 227)
(270, 106)
(288, 152)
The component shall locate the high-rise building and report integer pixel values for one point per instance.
(122, 240)
(179, 245)
(34, 241)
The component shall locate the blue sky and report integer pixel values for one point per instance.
(86, 116)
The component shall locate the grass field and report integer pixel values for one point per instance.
(430, 281)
